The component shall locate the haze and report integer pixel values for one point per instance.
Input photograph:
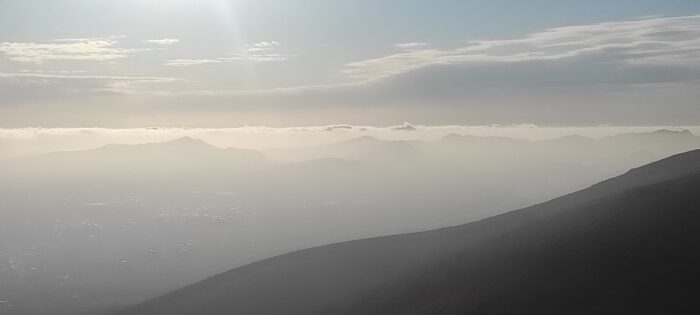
(348, 157)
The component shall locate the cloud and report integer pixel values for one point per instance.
(263, 46)
(190, 62)
(164, 41)
(93, 83)
(410, 45)
(94, 49)
(406, 126)
(261, 57)
(236, 58)
(640, 51)
(641, 71)
(338, 127)
(382, 67)
(257, 52)
(41, 75)
(673, 41)
(269, 44)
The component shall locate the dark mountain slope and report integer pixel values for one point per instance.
(634, 252)
(627, 245)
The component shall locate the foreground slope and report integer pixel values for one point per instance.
(627, 245)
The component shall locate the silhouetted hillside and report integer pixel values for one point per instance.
(625, 246)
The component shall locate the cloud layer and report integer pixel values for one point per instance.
(95, 49)
(640, 71)
(671, 41)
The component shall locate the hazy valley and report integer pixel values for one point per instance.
(98, 229)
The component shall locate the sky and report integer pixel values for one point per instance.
(216, 63)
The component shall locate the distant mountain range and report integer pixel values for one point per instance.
(182, 156)
(660, 143)
(628, 245)
(187, 150)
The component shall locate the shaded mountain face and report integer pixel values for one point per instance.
(627, 245)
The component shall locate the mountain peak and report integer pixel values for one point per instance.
(659, 132)
(185, 141)
(363, 139)
(452, 136)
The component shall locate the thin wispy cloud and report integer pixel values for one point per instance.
(93, 83)
(671, 41)
(259, 46)
(190, 62)
(410, 45)
(42, 75)
(236, 58)
(406, 126)
(91, 49)
(163, 41)
(265, 51)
